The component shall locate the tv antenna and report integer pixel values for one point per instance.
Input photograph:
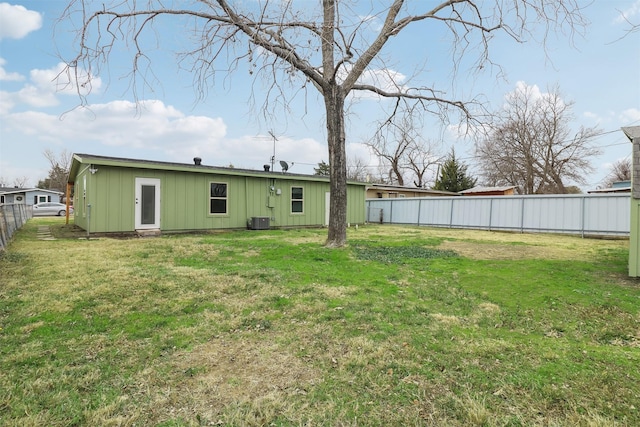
(273, 158)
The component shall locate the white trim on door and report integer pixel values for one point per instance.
(327, 206)
(147, 207)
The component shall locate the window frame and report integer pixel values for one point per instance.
(225, 198)
(300, 200)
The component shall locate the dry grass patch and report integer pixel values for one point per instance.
(445, 319)
(240, 381)
(484, 311)
(499, 245)
(530, 248)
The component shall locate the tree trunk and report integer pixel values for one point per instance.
(334, 105)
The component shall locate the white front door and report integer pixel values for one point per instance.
(327, 210)
(147, 203)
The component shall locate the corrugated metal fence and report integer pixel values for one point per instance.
(592, 214)
(12, 217)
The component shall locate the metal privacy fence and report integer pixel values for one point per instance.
(12, 217)
(586, 215)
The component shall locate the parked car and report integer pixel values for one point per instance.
(51, 208)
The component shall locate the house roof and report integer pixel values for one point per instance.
(488, 189)
(91, 160)
(611, 190)
(413, 189)
(14, 190)
(632, 132)
(5, 190)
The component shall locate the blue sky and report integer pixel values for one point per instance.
(598, 71)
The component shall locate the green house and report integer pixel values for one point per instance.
(115, 195)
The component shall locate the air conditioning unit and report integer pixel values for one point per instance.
(259, 223)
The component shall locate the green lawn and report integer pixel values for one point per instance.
(405, 326)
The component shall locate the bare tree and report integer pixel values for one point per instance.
(530, 144)
(421, 157)
(399, 146)
(391, 144)
(329, 47)
(357, 170)
(59, 171)
(632, 27)
(620, 170)
(21, 182)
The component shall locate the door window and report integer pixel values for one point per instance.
(148, 204)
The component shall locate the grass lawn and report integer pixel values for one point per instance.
(406, 326)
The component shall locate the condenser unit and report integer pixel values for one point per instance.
(259, 223)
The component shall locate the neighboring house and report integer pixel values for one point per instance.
(489, 191)
(28, 196)
(126, 195)
(616, 187)
(381, 191)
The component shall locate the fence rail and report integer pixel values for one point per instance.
(12, 217)
(593, 214)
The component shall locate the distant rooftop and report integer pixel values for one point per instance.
(488, 189)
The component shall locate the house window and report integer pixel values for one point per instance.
(297, 200)
(41, 199)
(1, 199)
(218, 198)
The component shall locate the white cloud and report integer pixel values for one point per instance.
(523, 88)
(6, 102)
(385, 79)
(252, 152)
(630, 115)
(591, 116)
(613, 118)
(8, 77)
(16, 21)
(43, 89)
(628, 14)
(153, 127)
(374, 22)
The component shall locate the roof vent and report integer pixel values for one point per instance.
(266, 168)
(197, 161)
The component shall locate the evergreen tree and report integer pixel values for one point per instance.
(453, 175)
(323, 169)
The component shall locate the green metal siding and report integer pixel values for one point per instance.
(634, 239)
(184, 200)
(356, 210)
